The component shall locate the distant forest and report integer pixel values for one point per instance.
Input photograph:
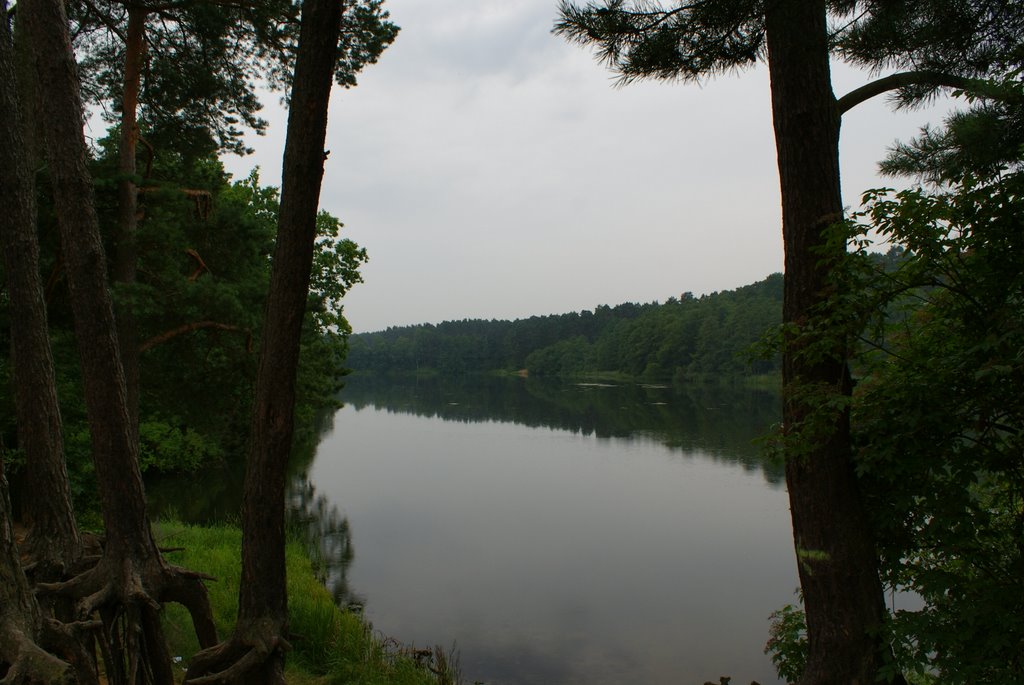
(683, 337)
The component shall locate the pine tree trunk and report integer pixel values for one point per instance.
(836, 555)
(124, 267)
(114, 452)
(54, 542)
(263, 600)
(263, 592)
(20, 618)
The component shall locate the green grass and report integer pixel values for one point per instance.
(331, 645)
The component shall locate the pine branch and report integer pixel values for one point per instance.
(195, 326)
(914, 78)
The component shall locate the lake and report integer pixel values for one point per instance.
(558, 532)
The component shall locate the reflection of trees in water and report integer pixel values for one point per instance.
(215, 497)
(326, 534)
(720, 421)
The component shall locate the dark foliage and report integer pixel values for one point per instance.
(204, 59)
(940, 420)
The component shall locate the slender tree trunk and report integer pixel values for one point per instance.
(131, 579)
(262, 589)
(54, 542)
(263, 600)
(263, 592)
(836, 555)
(21, 659)
(125, 262)
(114, 452)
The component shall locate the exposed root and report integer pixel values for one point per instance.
(254, 654)
(186, 588)
(86, 583)
(158, 657)
(29, 664)
(47, 573)
(91, 603)
(127, 594)
(48, 557)
(184, 574)
(69, 640)
(234, 672)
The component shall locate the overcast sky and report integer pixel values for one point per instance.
(492, 170)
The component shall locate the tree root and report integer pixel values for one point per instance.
(186, 588)
(69, 640)
(127, 594)
(30, 664)
(254, 654)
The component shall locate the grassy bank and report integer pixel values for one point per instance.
(332, 646)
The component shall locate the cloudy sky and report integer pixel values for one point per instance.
(492, 170)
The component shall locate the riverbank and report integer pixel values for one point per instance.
(331, 645)
(760, 381)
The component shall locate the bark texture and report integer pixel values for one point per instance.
(54, 542)
(836, 554)
(114, 452)
(22, 660)
(125, 262)
(27, 639)
(257, 648)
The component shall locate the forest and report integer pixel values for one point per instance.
(198, 310)
(713, 335)
(156, 314)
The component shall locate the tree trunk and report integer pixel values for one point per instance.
(131, 579)
(125, 262)
(54, 542)
(836, 555)
(263, 600)
(262, 589)
(22, 660)
(21, 621)
(114, 452)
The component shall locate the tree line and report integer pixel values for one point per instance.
(684, 337)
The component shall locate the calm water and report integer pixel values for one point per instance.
(559, 533)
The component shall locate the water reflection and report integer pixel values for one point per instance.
(721, 422)
(215, 496)
(327, 536)
(556, 533)
(565, 533)
(211, 496)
